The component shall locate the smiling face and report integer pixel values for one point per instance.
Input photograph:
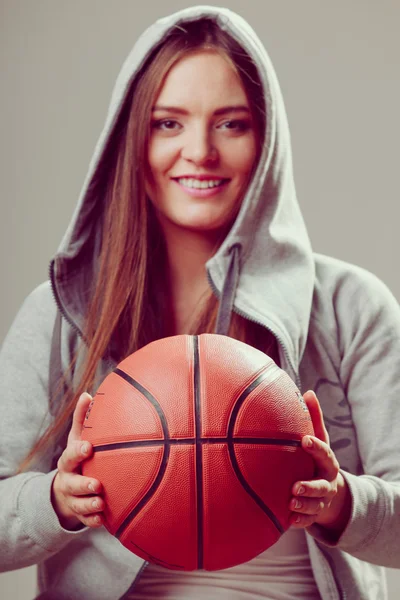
(202, 145)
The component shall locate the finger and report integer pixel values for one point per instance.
(318, 488)
(300, 521)
(73, 455)
(316, 416)
(323, 455)
(307, 506)
(86, 506)
(79, 416)
(77, 485)
(96, 520)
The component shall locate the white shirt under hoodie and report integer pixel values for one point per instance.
(338, 329)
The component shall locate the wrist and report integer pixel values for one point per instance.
(337, 516)
(67, 521)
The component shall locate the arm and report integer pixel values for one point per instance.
(369, 327)
(326, 499)
(30, 530)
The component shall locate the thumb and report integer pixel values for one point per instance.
(79, 417)
(316, 416)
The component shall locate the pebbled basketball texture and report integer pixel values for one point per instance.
(197, 443)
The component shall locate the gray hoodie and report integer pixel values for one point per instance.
(338, 328)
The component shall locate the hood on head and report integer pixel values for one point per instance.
(274, 277)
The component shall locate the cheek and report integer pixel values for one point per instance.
(161, 156)
(242, 157)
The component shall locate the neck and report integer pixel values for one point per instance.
(187, 254)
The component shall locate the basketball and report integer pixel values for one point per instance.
(197, 443)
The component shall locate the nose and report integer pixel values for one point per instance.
(198, 147)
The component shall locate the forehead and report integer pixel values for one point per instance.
(204, 78)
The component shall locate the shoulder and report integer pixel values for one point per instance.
(338, 273)
(40, 300)
(34, 320)
(40, 297)
(343, 283)
(349, 299)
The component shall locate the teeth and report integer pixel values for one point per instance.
(200, 185)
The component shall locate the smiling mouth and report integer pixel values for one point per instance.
(201, 184)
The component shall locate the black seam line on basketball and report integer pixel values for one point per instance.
(199, 450)
(252, 386)
(155, 559)
(231, 447)
(192, 441)
(250, 491)
(149, 397)
(166, 451)
(147, 496)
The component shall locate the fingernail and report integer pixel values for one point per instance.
(84, 448)
(91, 487)
(301, 490)
(309, 443)
(298, 504)
(297, 520)
(95, 504)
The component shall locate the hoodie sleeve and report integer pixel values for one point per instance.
(369, 337)
(29, 527)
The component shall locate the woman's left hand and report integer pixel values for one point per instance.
(325, 499)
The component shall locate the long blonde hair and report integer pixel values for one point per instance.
(130, 293)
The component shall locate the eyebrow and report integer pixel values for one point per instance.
(219, 111)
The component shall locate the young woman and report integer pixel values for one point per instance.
(187, 223)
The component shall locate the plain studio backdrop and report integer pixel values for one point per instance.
(338, 65)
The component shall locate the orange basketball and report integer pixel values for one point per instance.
(196, 442)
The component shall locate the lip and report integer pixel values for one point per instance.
(200, 177)
(204, 193)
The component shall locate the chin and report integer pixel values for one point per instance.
(201, 228)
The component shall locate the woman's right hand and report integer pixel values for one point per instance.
(73, 494)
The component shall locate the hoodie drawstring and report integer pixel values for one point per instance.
(228, 292)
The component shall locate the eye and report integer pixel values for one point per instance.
(165, 124)
(237, 125)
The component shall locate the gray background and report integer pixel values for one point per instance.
(338, 64)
